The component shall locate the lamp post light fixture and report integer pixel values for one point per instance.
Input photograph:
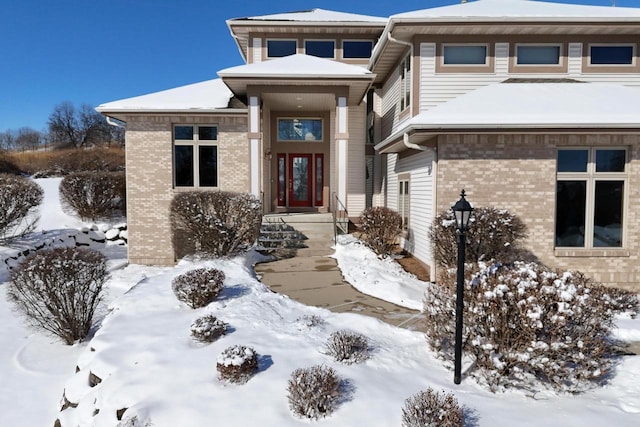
(462, 213)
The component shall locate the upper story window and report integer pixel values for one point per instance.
(405, 83)
(590, 194)
(299, 129)
(536, 54)
(464, 54)
(280, 48)
(610, 54)
(357, 49)
(195, 156)
(320, 48)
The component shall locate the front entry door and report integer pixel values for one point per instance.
(300, 192)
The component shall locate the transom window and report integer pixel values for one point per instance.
(590, 192)
(320, 48)
(527, 54)
(299, 129)
(405, 83)
(464, 54)
(357, 49)
(281, 48)
(195, 156)
(611, 54)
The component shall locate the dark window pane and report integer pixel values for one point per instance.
(282, 185)
(610, 160)
(570, 213)
(538, 55)
(280, 48)
(183, 158)
(465, 55)
(319, 180)
(208, 166)
(607, 221)
(208, 133)
(300, 129)
(572, 160)
(320, 48)
(357, 49)
(607, 55)
(183, 132)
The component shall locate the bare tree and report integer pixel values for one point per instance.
(28, 139)
(78, 128)
(7, 139)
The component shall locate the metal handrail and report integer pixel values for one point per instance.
(340, 217)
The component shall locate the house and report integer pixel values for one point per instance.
(529, 106)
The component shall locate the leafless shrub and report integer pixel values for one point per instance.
(198, 287)
(618, 300)
(525, 326)
(214, 223)
(58, 290)
(347, 347)
(94, 195)
(208, 329)
(313, 392)
(237, 364)
(428, 408)
(311, 321)
(19, 197)
(493, 234)
(381, 227)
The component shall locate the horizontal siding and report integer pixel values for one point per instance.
(502, 58)
(390, 104)
(356, 170)
(427, 67)
(392, 182)
(574, 65)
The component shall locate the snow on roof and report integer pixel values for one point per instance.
(298, 65)
(207, 95)
(537, 105)
(315, 15)
(519, 9)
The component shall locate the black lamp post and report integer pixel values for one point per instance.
(462, 213)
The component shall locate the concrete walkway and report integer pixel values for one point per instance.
(313, 277)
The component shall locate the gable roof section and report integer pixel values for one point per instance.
(208, 96)
(314, 15)
(528, 106)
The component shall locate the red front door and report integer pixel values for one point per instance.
(300, 190)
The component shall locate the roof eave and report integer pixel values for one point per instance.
(109, 111)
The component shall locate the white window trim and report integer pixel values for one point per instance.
(591, 177)
(355, 40)
(401, 206)
(486, 55)
(266, 46)
(633, 55)
(304, 43)
(195, 143)
(560, 62)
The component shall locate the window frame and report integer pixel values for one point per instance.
(633, 55)
(470, 65)
(278, 119)
(591, 177)
(196, 143)
(266, 46)
(404, 69)
(305, 41)
(404, 201)
(356, 58)
(560, 47)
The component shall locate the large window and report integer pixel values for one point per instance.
(611, 54)
(357, 49)
(403, 201)
(464, 54)
(590, 191)
(299, 129)
(280, 48)
(320, 48)
(405, 83)
(527, 54)
(195, 156)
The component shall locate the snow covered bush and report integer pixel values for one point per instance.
(619, 301)
(58, 290)
(524, 326)
(237, 364)
(428, 408)
(214, 223)
(347, 347)
(208, 328)
(198, 287)
(94, 195)
(380, 227)
(493, 234)
(313, 392)
(19, 197)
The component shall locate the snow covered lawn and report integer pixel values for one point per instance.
(148, 363)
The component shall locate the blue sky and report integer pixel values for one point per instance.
(95, 51)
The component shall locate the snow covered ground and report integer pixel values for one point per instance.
(148, 363)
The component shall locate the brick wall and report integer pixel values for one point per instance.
(518, 173)
(150, 178)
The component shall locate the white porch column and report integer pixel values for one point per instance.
(254, 144)
(341, 141)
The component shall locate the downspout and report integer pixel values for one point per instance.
(112, 123)
(402, 42)
(405, 140)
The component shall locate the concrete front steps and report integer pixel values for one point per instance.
(312, 277)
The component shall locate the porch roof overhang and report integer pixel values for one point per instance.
(524, 108)
(301, 71)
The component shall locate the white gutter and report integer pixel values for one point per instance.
(405, 140)
(112, 123)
